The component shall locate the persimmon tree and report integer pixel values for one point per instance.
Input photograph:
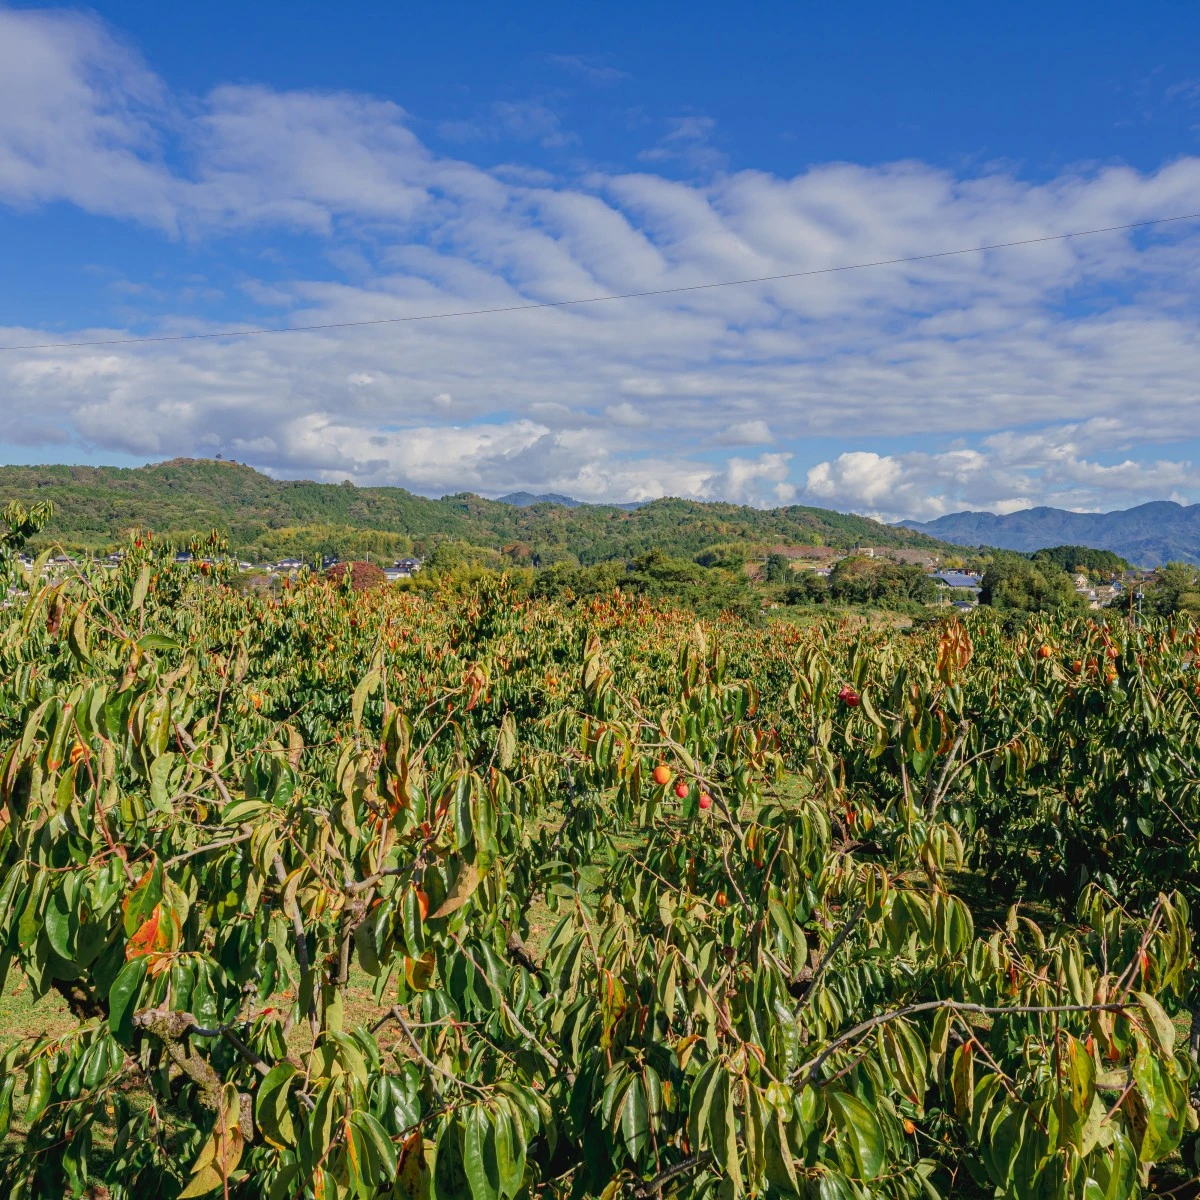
(219, 811)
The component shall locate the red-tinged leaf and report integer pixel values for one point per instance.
(143, 941)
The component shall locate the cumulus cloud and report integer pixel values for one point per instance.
(1051, 373)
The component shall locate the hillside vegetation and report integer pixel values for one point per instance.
(268, 518)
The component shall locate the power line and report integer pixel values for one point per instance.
(670, 291)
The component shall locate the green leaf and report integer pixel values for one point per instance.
(1164, 1101)
(122, 999)
(160, 775)
(379, 1140)
(635, 1119)
(833, 1185)
(6, 1095)
(702, 1097)
(370, 682)
(478, 1159)
(780, 1167)
(239, 811)
(62, 925)
(722, 1130)
(1160, 1027)
(95, 1063)
(140, 588)
(483, 821)
(1004, 1143)
(157, 641)
(39, 1090)
(410, 919)
(507, 1170)
(449, 1169)
(272, 1112)
(857, 1125)
(364, 943)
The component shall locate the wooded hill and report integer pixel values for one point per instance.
(266, 518)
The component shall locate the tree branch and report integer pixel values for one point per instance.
(835, 946)
(512, 1016)
(241, 837)
(946, 778)
(653, 1187)
(306, 975)
(809, 1069)
(395, 1014)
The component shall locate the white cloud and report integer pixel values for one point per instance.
(1038, 374)
(628, 415)
(80, 119)
(1010, 472)
(687, 139)
(522, 120)
(748, 433)
(588, 67)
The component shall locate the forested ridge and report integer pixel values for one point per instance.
(95, 507)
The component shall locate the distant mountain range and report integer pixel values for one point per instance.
(1148, 535)
(525, 499)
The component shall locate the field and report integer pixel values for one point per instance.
(464, 894)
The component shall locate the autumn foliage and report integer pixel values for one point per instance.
(363, 575)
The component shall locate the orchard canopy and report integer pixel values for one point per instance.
(373, 894)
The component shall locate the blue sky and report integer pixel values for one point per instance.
(185, 168)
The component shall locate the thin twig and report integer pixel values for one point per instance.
(241, 837)
(512, 1016)
(395, 1014)
(361, 885)
(184, 737)
(946, 778)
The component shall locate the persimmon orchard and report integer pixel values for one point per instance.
(823, 912)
